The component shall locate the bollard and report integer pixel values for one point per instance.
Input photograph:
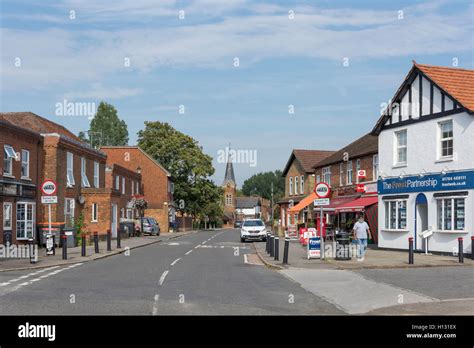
(54, 244)
(31, 249)
(109, 241)
(267, 245)
(272, 245)
(83, 244)
(461, 250)
(277, 248)
(286, 250)
(118, 239)
(64, 238)
(411, 260)
(472, 248)
(96, 242)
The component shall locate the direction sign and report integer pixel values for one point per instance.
(49, 199)
(321, 201)
(322, 190)
(49, 187)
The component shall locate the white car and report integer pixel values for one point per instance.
(253, 229)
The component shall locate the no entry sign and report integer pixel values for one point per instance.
(322, 190)
(49, 187)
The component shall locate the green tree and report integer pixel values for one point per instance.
(106, 129)
(189, 166)
(260, 185)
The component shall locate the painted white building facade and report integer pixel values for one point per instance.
(426, 164)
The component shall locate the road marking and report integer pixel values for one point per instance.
(173, 243)
(246, 260)
(189, 252)
(204, 242)
(163, 276)
(197, 246)
(175, 262)
(155, 304)
(27, 275)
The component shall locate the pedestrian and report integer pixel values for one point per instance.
(361, 230)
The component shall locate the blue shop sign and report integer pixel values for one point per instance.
(430, 182)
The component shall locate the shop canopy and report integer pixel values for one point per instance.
(357, 205)
(304, 203)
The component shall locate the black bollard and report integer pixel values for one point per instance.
(461, 250)
(96, 242)
(411, 260)
(83, 244)
(109, 241)
(472, 248)
(64, 237)
(286, 250)
(54, 244)
(272, 246)
(267, 245)
(118, 239)
(277, 248)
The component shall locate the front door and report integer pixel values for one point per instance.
(421, 215)
(114, 222)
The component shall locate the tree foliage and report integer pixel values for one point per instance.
(260, 185)
(106, 129)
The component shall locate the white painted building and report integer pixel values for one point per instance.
(426, 163)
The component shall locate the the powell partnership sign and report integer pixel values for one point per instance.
(429, 182)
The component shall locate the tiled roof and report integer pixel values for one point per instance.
(459, 83)
(365, 145)
(246, 202)
(307, 159)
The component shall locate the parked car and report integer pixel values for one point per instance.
(253, 229)
(238, 224)
(150, 226)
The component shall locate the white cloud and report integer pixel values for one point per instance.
(97, 91)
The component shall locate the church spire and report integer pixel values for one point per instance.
(229, 170)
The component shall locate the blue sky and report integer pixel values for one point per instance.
(283, 60)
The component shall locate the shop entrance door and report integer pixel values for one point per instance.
(421, 220)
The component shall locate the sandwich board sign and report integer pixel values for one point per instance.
(314, 247)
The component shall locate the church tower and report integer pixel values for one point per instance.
(230, 188)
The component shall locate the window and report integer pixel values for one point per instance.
(25, 164)
(95, 212)
(228, 199)
(318, 179)
(302, 184)
(357, 170)
(451, 214)
(25, 220)
(69, 207)
(349, 173)
(9, 155)
(123, 185)
(133, 187)
(375, 167)
(396, 214)
(122, 213)
(7, 216)
(137, 188)
(172, 187)
(291, 186)
(401, 147)
(446, 139)
(296, 185)
(84, 180)
(341, 174)
(70, 169)
(327, 175)
(117, 182)
(96, 175)
(129, 214)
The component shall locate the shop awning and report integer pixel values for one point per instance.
(336, 202)
(303, 204)
(357, 205)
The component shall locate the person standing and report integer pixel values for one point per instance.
(361, 230)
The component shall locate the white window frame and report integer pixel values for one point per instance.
(96, 174)
(349, 173)
(396, 202)
(84, 179)
(69, 210)
(29, 223)
(357, 170)
(133, 187)
(117, 182)
(296, 184)
(291, 186)
(452, 199)
(7, 217)
(9, 155)
(375, 167)
(137, 188)
(318, 179)
(302, 184)
(327, 175)
(25, 163)
(397, 147)
(95, 212)
(341, 174)
(70, 169)
(123, 185)
(441, 139)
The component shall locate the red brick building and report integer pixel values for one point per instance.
(156, 184)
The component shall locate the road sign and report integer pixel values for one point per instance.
(322, 190)
(314, 247)
(49, 187)
(321, 202)
(49, 199)
(361, 174)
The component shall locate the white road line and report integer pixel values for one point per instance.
(204, 242)
(155, 304)
(197, 246)
(246, 260)
(189, 252)
(163, 276)
(175, 262)
(27, 275)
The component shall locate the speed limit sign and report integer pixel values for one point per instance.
(322, 190)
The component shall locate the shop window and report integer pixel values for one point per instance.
(25, 220)
(25, 164)
(84, 180)
(7, 216)
(446, 139)
(401, 147)
(396, 214)
(69, 207)
(70, 169)
(451, 214)
(9, 155)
